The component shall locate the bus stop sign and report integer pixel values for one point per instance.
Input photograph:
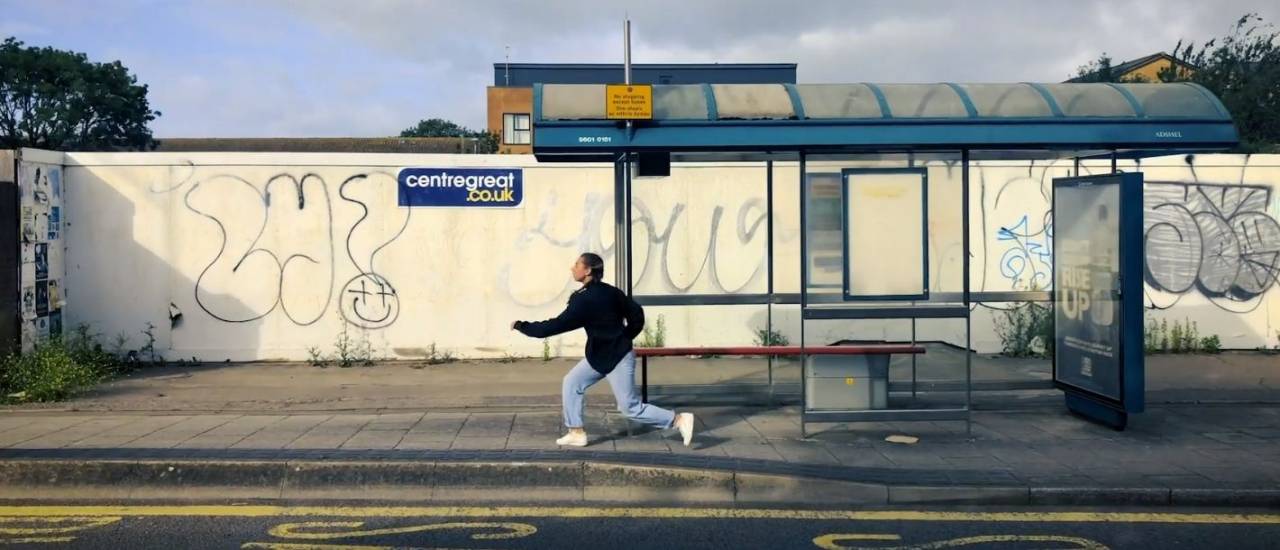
(628, 101)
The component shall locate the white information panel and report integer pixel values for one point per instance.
(886, 248)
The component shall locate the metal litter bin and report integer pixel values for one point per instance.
(846, 382)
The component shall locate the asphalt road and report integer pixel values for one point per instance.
(365, 527)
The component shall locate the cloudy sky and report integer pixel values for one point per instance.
(280, 68)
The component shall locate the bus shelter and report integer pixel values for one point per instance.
(884, 169)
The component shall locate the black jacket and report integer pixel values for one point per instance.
(601, 309)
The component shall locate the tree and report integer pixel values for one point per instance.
(1102, 70)
(436, 127)
(1243, 70)
(486, 141)
(56, 99)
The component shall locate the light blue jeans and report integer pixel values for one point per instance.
(622, 380)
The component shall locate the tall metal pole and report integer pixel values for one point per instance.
(804, 289)
(768, 253)
(968, 313)
(626, 76)
(625, 217)
(626, 61)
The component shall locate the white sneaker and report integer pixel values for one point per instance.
(573, 439)
(684, 423)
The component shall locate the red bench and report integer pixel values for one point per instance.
(863, 349)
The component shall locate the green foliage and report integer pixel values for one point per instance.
(770, 338)
(57, 369)
(655, 336)
(1102, 70)
(316, 357)
(1211, 344)
(148, 349)
(348, 351)
(1243, 70)
(59, 100)
(486, 142)
(1026, 330)
(1181, 337)
(436, 127)
(437, 356)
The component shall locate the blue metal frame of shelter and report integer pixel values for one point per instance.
(1139, 130)
(1161, 119)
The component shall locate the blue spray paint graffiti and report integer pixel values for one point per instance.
(1027, 261)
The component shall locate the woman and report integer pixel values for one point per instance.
(612, 319)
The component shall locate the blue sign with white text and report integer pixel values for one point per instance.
(484, 187)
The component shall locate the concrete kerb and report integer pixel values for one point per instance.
(585, 481)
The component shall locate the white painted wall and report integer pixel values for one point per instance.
(151, 233)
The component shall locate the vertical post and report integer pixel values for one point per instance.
(626, 62)
(619, 236)
(804, 288)
(624, 217)
(627, 207)
(626, 51)
(964, 255)
(644, 379)
(1076, 172)
(1113, 162)
(911, 163)
(768, 266)
(913, 360)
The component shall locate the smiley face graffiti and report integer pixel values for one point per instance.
(369, 301)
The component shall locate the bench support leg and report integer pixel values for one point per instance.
(644, 379)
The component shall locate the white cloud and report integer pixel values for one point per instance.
(343, 68)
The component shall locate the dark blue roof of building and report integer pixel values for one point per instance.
(528, 74)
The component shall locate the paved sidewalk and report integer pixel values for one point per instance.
(289, 388)
(1218, 447)
(276, 431)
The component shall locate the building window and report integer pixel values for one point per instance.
(515, 129)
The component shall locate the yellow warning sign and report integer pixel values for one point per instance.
(628, 101)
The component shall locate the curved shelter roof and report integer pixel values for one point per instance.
(570, 119)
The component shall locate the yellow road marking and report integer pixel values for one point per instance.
(644, 513)
(51, 525)
(33, 540)
(294, 546)
(306, 531)
(828, 542)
